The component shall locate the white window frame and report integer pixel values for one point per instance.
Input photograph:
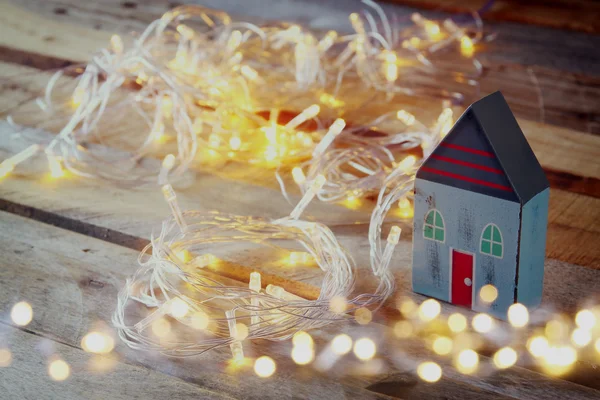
(492, 241)
(433, 210)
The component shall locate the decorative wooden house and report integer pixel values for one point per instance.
(481, 211)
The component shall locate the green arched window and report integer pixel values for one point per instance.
(491, 241)
(433, 227)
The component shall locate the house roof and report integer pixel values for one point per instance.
(486, 152)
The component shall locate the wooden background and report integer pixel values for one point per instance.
(68, 245)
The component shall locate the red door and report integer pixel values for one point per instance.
(462, 278)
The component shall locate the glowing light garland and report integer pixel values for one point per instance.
(174, 286)
(195, 81)
(193, 84)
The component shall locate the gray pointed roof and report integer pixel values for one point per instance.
(516, 157)
(486, 152)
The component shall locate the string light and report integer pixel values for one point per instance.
(585, 319)
(429, 371)
(364, 349)
(21, 313)
(488, 293)
(97, 342)
(518, 316)
(302, 339)
(504, 358)
(467, 361)
(59, 370)
(581, 337)
(558, 360)
(341, 344)
(5, 358)
(264, 366)
(303, 355)
(442, 345)
(429, 310)
(537, 346)
(483, 323)
(209, 103)
(457, 322)
(363, 316)
(212, 102)
(172, 286)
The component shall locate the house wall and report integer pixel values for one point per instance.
(465, 215)
(533, 250)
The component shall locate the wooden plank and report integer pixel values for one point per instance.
(137, 212)
(72, 281)
(571, 97)
(27, 377)
(579, 15)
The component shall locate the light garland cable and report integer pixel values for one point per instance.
(359, 168)
(200, 81)
(180, 289)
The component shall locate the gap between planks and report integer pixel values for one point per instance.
(571, 99)
(40, 265)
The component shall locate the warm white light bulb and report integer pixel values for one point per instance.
(341, 344)
(21, 313)
(429, 371)
(364, 349)
(264, 366)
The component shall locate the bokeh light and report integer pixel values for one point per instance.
(403, 329)
(457, 322)
(556, 330)
(161, 327)
(59, 370)
(264, 366)
(581, 337)
(341, 344)
(21, 313)
(585, 319)
(338, 304)
(429, 310)
(518, 315)
(506, 357)
(429, 371)
(365, 349)
(303, 355)
(97, 342)
(302, 339)
(5, 358)
(537, 346)
(483, 323)
(467, 361)
(488, 293)
(178, 308)
(199, 320)
(363, 316)
(406, 306)
(559, 360)
(442, 345)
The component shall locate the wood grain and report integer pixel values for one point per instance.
(580, 15)
(72, 280)
(570, 94)
(27, 377)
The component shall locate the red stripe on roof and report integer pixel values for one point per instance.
(467, 164)
(466, 178)
(467, 149)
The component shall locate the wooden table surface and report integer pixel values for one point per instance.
(68, 245)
